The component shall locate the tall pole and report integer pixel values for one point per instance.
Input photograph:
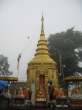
(61, 68)
(60, 61)
(18, 62)
(19, 57)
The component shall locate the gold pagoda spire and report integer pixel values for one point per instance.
(42, 48)
(42, 54)
(42, 34)
(42, 25)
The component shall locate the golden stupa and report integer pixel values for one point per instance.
(42, 68)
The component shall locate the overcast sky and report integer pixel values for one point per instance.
(21, 18)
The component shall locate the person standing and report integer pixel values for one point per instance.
(50, 91)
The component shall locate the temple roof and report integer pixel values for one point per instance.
(73, 78)
(6, 78)
(42, 54)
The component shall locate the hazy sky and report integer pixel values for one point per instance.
(21, 18)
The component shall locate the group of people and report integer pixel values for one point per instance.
(75, 91)
(21, 92)
(54, 92)
(25, 92)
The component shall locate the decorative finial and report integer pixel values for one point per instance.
(42, 25)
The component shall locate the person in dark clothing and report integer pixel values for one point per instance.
(50, 91)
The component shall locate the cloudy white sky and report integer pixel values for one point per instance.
(21, 18)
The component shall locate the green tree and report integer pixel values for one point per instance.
(4, 66)
(66, 49)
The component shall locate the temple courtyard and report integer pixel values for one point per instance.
(43, 89)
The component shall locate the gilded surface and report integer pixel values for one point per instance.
(42, 68)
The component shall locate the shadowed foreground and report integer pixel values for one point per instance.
(21, 103)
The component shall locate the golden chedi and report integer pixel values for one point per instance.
(42, 68)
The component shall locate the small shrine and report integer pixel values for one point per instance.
(74, 86)
(42, 69)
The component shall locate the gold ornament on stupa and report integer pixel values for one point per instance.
(42, 68)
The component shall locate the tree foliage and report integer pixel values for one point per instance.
(65, 49)
(4, 66)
